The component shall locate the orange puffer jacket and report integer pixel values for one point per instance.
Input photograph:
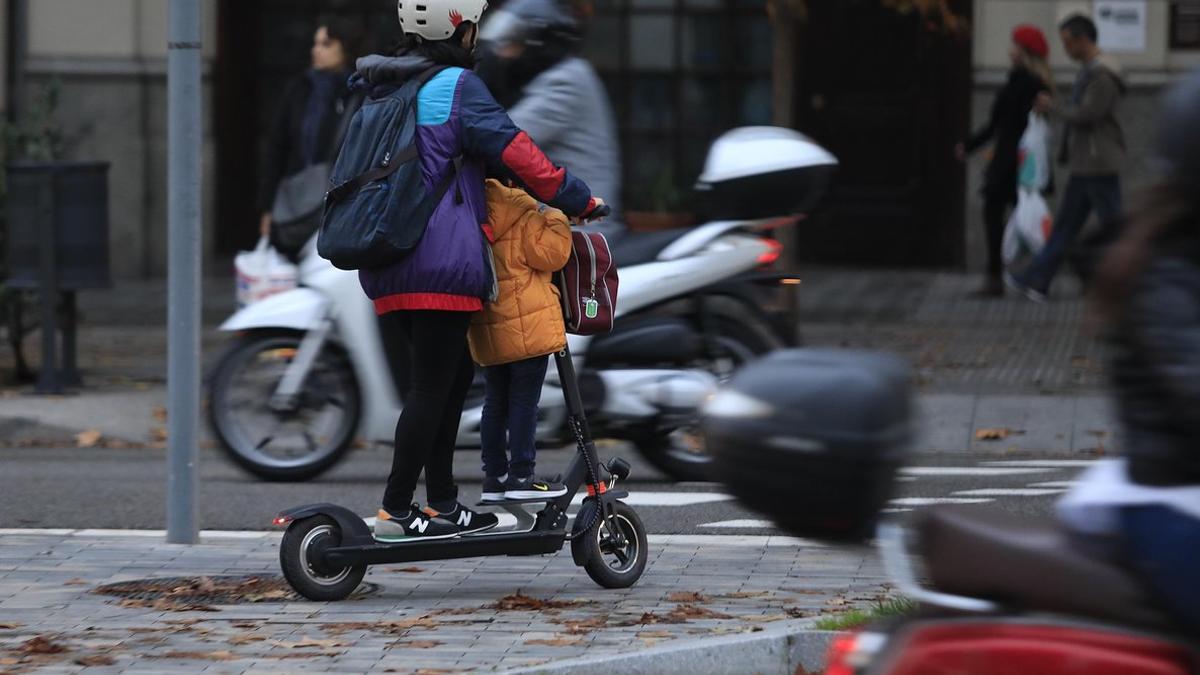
(531, 242)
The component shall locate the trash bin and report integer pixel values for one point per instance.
(58, 244)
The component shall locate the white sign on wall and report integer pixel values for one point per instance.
(1121, 24)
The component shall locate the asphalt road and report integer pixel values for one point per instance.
(126, 489)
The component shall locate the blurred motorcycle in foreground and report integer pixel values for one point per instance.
(814, 438)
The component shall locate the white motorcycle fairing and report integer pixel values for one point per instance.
(300, 309)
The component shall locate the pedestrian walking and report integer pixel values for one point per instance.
(447, 277)
(1093, 148)
(1030, 75)
(305, 133)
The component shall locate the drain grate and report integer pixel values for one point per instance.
(217, 590)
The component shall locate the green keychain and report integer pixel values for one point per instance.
(591, 308)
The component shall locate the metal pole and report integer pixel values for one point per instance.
(183, 266)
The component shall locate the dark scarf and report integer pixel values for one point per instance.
(324, 89)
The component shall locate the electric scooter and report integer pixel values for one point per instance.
(326, 548)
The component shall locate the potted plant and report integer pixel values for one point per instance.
(660, 206)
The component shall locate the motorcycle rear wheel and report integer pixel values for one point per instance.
(680, 452)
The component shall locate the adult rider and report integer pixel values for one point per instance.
(448, 276)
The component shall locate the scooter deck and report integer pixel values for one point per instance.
(509, 502)
(502, 543)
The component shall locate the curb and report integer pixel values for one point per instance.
(782, 650)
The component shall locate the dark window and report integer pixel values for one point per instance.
(679, 72)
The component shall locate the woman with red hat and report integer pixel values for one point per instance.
(1029, 76)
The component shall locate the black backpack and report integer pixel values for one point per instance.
(378, 207)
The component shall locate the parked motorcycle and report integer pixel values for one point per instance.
(307, 372)
(814, 439)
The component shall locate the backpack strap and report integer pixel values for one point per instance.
(391, 164)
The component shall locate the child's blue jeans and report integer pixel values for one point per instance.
(510, 411)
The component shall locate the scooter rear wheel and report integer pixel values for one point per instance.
(300, 557)
(610, 564)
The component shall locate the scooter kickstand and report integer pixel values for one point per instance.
(525, 519)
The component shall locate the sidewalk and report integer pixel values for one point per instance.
(460, 615)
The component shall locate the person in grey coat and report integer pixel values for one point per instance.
(1093, 148)
(531, 65)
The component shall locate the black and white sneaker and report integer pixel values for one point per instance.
(466, 520)
(532, 488)
(493, 490)
(416, 525)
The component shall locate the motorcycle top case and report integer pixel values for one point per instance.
(589, 285)
(378, 207)
(760, 172)
(813, 438)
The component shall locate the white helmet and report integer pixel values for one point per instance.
(437, 19)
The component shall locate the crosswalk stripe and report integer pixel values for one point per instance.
(1009, 492)
(930, 501)
(1056, 484)
(745, 523)
(970, 470)
(639, 498)
(1046, 463)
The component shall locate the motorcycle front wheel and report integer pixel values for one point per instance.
(296, 444)
(680, 452)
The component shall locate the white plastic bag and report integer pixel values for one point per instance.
(262, 273)
(1028, 227)
(1033, 155)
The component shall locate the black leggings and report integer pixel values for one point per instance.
(995, 208)
(441, 371)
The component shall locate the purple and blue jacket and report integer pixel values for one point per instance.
(450, 267)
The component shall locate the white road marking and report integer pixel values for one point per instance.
(895, 510)
(669, 498)
(969, 471)
(1056, 484)
(731, 540)
(930, 501)
(1046, 463)
(1008, 492)
(746, 523)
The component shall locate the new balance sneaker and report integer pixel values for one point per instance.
(493, 490)
(532, 488)
(466, 520)
(414, 525)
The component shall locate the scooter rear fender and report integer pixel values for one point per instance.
(299, 309)
(354, 529)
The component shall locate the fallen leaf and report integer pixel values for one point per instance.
(203, 656)
(75, 582)
(268, 596)
(654, 634)
(309, 642)
(555, 642)
(158, 435)
(253, 625)
(160, 413)
(836, 602)
(686, 596)
(414, 644)
(996, 434)
(10, 625)
(650, 618)
(407, 570)
(88, 439)
(693, 612)
(95, 660)
(8, 661)
(245, 639)
(42, 645)
(521, 602)
(795, 612)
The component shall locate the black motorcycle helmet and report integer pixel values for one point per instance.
(521, 40)
(1179, 131)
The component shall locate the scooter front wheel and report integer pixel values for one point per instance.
(302, 560)
(616, 552)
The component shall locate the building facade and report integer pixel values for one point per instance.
(889, 85)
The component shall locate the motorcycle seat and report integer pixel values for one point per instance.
(636, 248)
(1027, 564)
